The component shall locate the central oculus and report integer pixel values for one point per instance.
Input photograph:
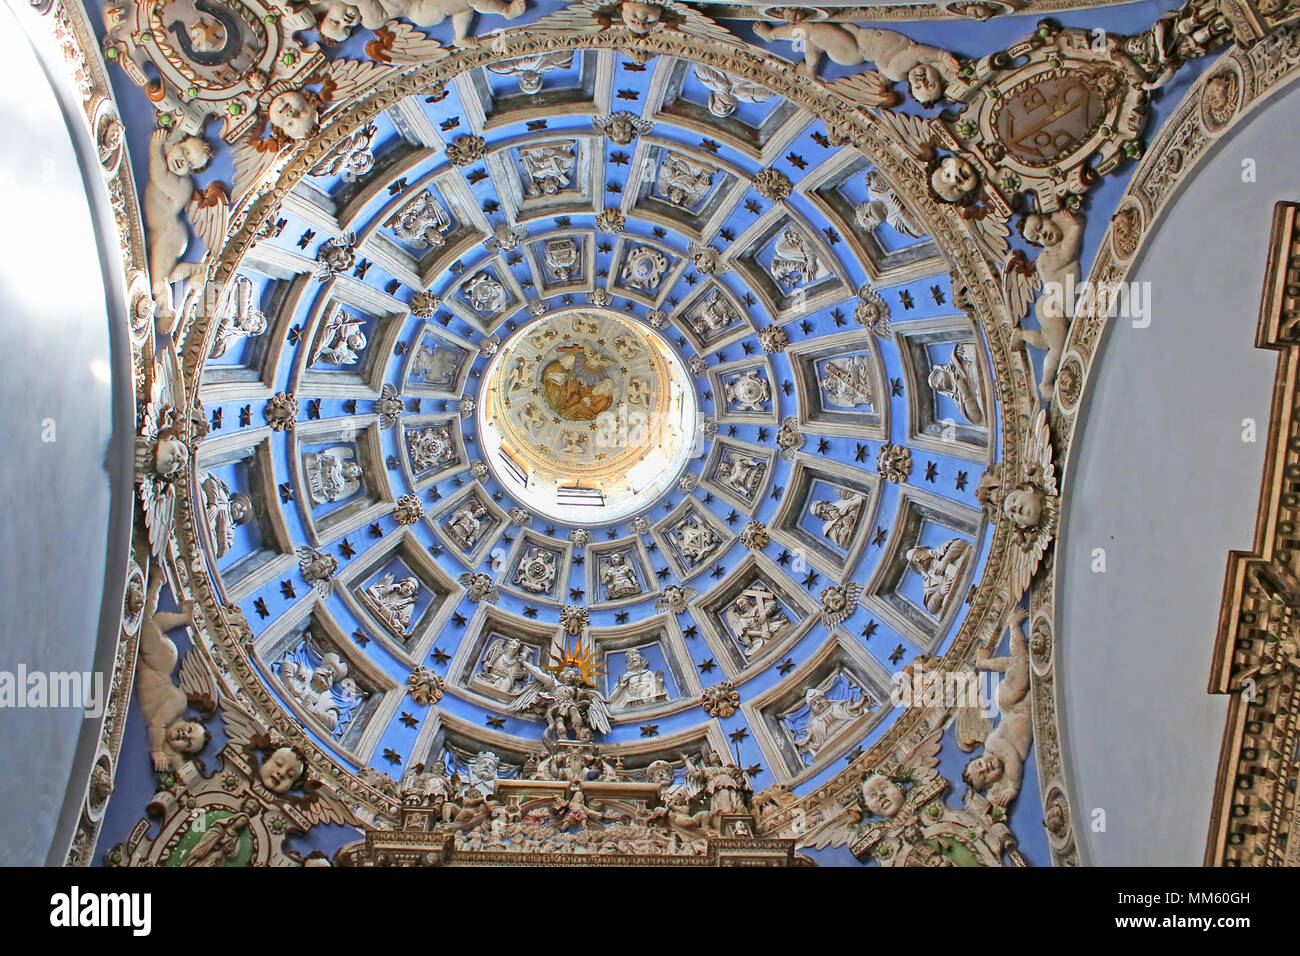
(586, 417)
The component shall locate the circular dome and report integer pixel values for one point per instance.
(586, 416)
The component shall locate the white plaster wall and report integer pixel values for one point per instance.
(57, 531)
(1163, 481)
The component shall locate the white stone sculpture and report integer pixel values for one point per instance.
(325, 690)
(942, 570)
(756, 618)
(548, 168)
(503, 665)
(1054, 273)
(928, 70)
(223, 511)
(727, 92)
(466, 524)
(338, 18)
(883, 207)
(848, 382)
(740, 473)
(840, 518)
(748, 391)
(827, 718)
(421, 221)
(430, 447)
(536, 572)
(333, 474)
(339, 340)
(619, 578)
(959, 380)
(173, 738)
(795, 262)
(695, 541)
(569, 705)
(530, 70)
(638, 684)
(173, 158)
(240, 318)
(644, 268)
(684, 182)
(999, 770)
(485, 294)
(393, 601)
(561, 257)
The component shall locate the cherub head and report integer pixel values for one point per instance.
(352, 471)
(280, 771)
(881, 796)
(926, 84)
(337, 21)
(570, 675)
(171, 455)
(660, 772)
(1040, 230)
(1024, 506)
(187, 736)
(983, 771)
(953, 180)
(640, 18)
(294, 113)
(189, 154)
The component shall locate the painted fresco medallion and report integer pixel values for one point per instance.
(587, 416)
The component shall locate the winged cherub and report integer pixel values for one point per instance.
(173, 737)
(1055, 273)
(1030, 503)
(173, 158)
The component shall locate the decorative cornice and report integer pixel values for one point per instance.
(1256, 651)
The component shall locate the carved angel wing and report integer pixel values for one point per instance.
(159, 505)
(398, 42)
(1038, 453)
(321, 805)
(199, 683)
(597, 713)
(913, 134)
(209, 212)
(528, 698)
(922, 763)
(254, 160)
(989, 233)
(242, 728)
(344, 79)
(868, 88)
(1020, 284)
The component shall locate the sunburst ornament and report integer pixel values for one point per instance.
(585, 659)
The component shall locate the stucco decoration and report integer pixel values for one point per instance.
(716, 598)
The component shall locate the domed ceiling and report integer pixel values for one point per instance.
(588, 395)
